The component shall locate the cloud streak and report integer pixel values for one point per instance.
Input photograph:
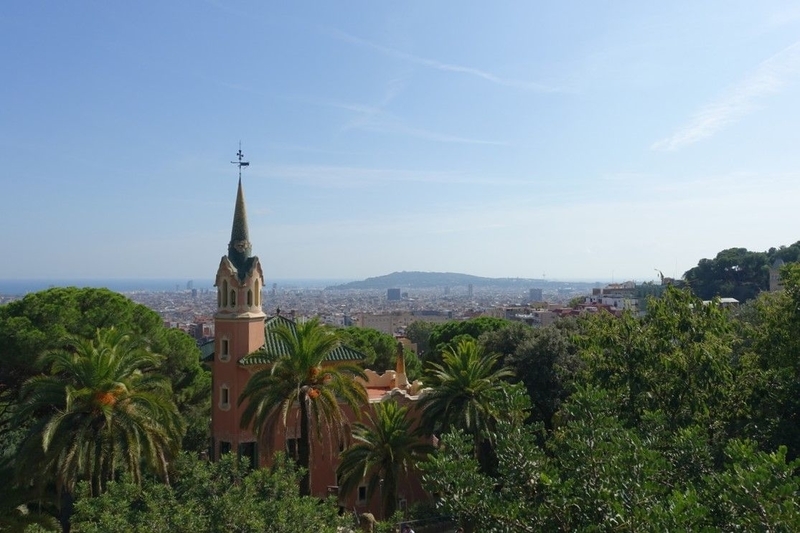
(445, 67)
(770, 77)
(358, 177)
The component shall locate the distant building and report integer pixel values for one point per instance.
(535, 295)
(469, 290)
(392, 323)
(725, 303)
(393, 295)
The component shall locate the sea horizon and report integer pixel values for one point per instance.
(22, 286)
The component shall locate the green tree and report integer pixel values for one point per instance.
(380, 348)
(299, 379)
(768, 372)
(735, 272)
(104, 410)
(544, 359)
(756, 491)
(42, 321)
(463, 393)
(450, 333)
(676, 360)
(419, 332)
(208, 497)
(382, 452)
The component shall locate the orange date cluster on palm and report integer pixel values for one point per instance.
(105, 398)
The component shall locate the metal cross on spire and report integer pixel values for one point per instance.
(240, 163)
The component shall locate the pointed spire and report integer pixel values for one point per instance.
(239, 249)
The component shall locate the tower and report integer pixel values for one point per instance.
(239, 331)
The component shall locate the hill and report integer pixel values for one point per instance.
(424, 280)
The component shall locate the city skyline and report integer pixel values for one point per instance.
(563, 141)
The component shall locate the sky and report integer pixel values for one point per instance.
(565, 140)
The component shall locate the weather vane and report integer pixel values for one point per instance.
(240, 163)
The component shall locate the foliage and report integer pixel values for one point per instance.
(380, 348)
(737, 272)
(768, 383)
(463, 393)
(221, 496)
(756, 491)
(24, 506)
(677, 360)
(41, 322)
(298, 382)
(544, 359)
(419, 332)
(382, 452)
(450, 333)
(595, 474)
(102, 409)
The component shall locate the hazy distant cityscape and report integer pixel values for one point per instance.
(190, 304)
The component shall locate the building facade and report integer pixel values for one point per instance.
(244, 334)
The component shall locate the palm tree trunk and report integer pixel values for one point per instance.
(389, 496)
(304, 448)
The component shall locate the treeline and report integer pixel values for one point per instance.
(737, 272)
(686, 419)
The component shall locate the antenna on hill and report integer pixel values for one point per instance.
(240, 163)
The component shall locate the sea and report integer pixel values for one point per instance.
(20, 287)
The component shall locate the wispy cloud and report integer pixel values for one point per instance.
(356, 177)
(439, 65)
(384, 123)
(770, 77)
(375, 118)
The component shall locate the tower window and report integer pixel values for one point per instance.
(362, 495)
(233, 298)
(224, 294)
(249, 298)
(224, 350)
(224, 398)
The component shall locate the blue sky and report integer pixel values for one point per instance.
(497, 139)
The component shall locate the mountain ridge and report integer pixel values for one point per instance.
(416, 279)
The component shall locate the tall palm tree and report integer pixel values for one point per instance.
(298, 379)
(104, 410)
(381, 452)
(463, 393)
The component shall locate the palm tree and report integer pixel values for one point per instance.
(464, 390)
(103, 411)
(381, 452)
(298, 379)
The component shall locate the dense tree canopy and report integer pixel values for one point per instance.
(100, 410)
(737, 272)
(208, 497)
(450, 333)
(43, 321)
(685, 419)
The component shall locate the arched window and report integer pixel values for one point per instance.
(249, 298)
(233, 298)
(225, 294)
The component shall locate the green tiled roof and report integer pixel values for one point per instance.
(274, 347)
(207, 351)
